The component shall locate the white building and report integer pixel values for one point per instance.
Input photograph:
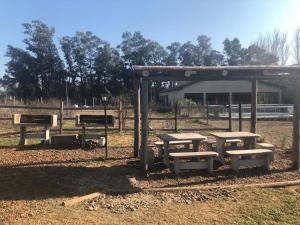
(218, 92)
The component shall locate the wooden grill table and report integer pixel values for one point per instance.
(248, 138)
(166, 138)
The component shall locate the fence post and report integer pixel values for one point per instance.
(240, 117)
(120, 115)
(207, 114)
(175, 118)
(230, 112)
(61, 112)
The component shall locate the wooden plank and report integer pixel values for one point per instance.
(137, 108)
(144, 123)
(253, 106)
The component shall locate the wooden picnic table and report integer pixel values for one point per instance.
(221, 137)
(166, 138)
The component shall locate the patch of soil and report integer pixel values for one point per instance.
(127, 203)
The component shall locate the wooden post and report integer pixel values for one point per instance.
(93, 102)
(175, 116)
(120, 115)
(296, 127)
(61, 112)
(136, 109)
(144, 123)
(229, 112)
(106, 129)
(253, 106)
(240, 117)
(14, 100)
(207, 114)
(22, 135)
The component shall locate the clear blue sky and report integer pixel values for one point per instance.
(164, 21)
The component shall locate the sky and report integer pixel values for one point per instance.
(164, 21)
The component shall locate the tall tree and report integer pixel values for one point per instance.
(296, 46)
(49, 67)
(235, 54)
(172, 59)
(39, 64)
(276, 44)
(80, 52)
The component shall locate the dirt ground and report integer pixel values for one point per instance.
(34, 181)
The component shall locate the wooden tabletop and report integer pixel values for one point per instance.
(228, 135)
(181, 136)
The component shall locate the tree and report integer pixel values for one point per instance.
(172, 58)
(275, 44)
(108, 68)
(258, 56)
(20, 78)
(235, 54)
(188, 54)
(38, 69)
(49, 67)
(296, 46)
(80, 52)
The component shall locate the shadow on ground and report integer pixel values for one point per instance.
(27, 183)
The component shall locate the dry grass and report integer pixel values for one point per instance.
(34, 182)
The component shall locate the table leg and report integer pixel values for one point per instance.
(166, 153)
(196, 145)
(249, 143)
(220, 150)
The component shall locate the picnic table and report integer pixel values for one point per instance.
(166, 138)
(221, 137)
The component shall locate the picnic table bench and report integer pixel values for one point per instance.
(167, 138)
(160, 144)
(247, 137)
(258, 157)
(182, 160)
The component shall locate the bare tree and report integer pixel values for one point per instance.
(296, 46)
(276, 44)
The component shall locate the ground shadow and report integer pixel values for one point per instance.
(27, 183)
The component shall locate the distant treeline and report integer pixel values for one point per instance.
(83, 64)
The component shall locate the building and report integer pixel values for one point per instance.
(218, 93)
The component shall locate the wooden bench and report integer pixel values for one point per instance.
(160, 145)
(254, 158)
(182, 160)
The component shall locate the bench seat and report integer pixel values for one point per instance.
(250, 158)
(160, 145)
(265, 145)
(206, 163)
